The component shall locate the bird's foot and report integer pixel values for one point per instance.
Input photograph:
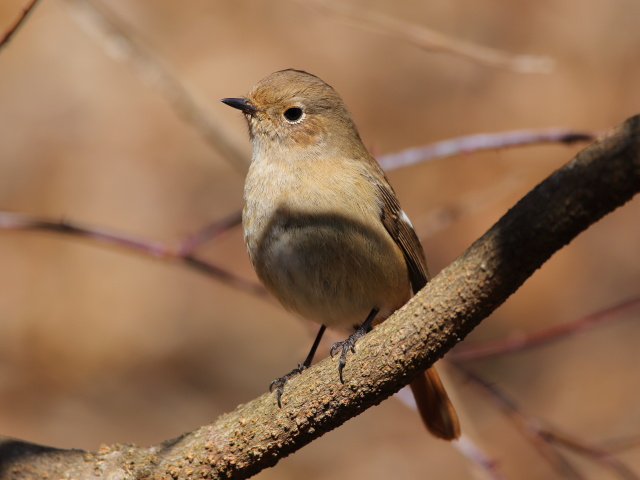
(350, 342)
(279, 383)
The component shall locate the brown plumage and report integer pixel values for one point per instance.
(323, 226)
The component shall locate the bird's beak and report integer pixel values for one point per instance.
(241, 104)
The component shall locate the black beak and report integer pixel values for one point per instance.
(241, 104)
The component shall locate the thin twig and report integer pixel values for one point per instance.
(443, 216)
(208, 233)
(465, 445)
(520, 342)
(480, 458)
(17, 221)
(543, 436)
(479, 142)
(598, 454)
(123, 45)
(529, 427)
(13, 28)
(431, 40)
(622, 444)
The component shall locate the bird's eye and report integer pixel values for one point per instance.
(293, 114)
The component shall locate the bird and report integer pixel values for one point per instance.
(323, 227)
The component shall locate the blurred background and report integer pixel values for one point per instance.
(99, 345)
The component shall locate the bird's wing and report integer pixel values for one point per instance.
(399, 227)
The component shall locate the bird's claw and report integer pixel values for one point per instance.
(345, 345)
(279, 383)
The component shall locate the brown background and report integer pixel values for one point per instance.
(101, 346)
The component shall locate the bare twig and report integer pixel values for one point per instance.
(529, 427)
(257, 434)
(465, 445)
(430, 40)
(595, 453)
(520, 342)
(208, 233)
(479, 142)
(443, 216)
(183, 253)
(471, 451)
(13, 28)
(123, 45)
(622, 444)
(543, 436)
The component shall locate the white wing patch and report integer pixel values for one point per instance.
(405, 219)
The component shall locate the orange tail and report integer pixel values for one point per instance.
(435, 408)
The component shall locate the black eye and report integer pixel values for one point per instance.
(293, 114)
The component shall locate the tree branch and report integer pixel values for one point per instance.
(479, 142)
(124, 46)
(256, 435)
(8, 34)
(521, 341)
(430, 40)
(184, 252)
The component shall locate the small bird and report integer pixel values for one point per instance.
(323, 227)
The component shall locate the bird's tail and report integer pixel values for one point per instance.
(435, 408)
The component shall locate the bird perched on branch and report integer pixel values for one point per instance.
(323, 227)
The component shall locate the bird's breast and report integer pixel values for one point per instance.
(317, 243)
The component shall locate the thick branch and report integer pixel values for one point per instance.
(256, 435)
